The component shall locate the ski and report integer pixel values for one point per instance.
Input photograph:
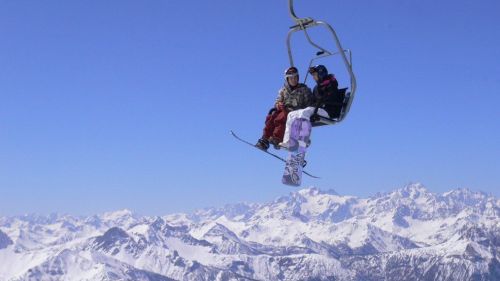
(267, 152)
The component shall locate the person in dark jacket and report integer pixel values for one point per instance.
(326, 92)
(292, 96)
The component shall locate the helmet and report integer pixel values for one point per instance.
(291, 72)
(321, 70)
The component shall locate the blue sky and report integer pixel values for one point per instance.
(128, 104)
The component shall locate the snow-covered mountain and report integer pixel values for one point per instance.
(407, 234)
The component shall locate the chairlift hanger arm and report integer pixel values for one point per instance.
(297, 20)
(340, 50)
(292, 11)
(299, 28)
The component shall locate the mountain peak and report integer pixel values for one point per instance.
(413, 190)
(465, 193)
(415, 187)
(118, 214)
(115, 233)
(313, 191)
(112, 238)
(221, 231)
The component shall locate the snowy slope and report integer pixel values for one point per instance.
(5, 240)
(407, 234)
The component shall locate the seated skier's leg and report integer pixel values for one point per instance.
(279, 128)
(304, 114)
(305, 131)
(267, 132)
(292, 116)
(309, 111)
(270, 125)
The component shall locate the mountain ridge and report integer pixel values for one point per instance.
(310, 234)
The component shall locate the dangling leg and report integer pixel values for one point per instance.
(305, 113)
(279, 128)
(267, 132)
(292, 116)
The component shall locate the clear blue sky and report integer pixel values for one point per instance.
(128, 104)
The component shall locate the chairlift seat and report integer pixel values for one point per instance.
(337, 111)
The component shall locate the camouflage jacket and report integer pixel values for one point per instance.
(298, 98)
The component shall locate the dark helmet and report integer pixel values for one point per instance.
(321, 70)
(291, 72)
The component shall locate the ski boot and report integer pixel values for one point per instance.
(262, 144)
(290, 145)
(275, 142)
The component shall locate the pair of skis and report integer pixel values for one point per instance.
(299, 140)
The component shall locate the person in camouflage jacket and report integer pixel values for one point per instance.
(292, 96)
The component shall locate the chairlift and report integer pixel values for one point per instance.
(302, 24)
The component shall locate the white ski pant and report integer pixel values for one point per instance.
(305, 113)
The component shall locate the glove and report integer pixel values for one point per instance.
(280, 106)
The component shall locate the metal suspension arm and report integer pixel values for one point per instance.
(297, 20)
(341, 51)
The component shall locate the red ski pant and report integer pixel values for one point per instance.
(275, 125)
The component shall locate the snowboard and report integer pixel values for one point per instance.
(299, 140)
(269, 153)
